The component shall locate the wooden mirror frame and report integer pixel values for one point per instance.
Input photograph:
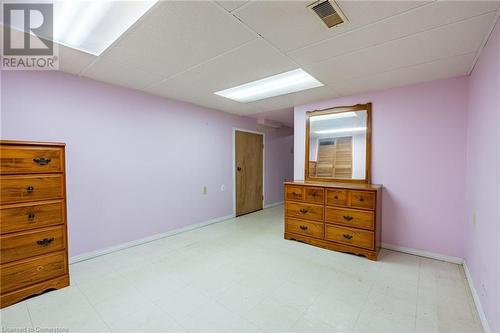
(358, 107)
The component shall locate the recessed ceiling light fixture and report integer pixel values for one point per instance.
(89, 26)
(92, 26)
(280, 84)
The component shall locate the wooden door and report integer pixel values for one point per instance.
(249, 172)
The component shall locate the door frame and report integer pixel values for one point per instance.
(234, 164)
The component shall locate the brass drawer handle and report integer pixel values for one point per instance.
(295, 194)
(303, 227)
(41, 160)
(45, 241)
(303, 210)
(336, 197)
(347, 217)
(30, 189)
(347, 236)
(31, 216)
(361, 199)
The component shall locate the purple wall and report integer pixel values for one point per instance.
(418, 155)
(136, 164)
(482, 241)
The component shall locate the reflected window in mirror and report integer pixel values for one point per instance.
(338, 144)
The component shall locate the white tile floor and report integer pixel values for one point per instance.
(242, 276)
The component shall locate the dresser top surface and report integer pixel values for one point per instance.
(31, 143)
(354, 186)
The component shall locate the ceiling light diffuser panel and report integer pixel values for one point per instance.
(276, 85)
(92, 26)
(88, 26)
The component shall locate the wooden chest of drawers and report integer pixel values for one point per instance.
(33, 233)
(344, 217)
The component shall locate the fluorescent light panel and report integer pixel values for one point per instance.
(280, 84)
(342, 130)
(92, 26)
(89, 26)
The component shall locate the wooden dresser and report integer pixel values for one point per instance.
(33, 239)
(337, 216)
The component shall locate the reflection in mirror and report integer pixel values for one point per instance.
(338, 145)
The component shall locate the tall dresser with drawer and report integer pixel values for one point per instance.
(337, 216)
(33, 239)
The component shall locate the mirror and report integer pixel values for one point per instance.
(338, 144)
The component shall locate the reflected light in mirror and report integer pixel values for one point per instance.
(334, 116)
(342, 130)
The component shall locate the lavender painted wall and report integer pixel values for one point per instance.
(482, 241)
(136, 164)
(418, 155)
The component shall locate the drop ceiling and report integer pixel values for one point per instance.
(188, 50)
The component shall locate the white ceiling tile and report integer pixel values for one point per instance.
(440, 69)
(116, 73)
(73, 61)
(290, 25)
(176, 35)
(255, 60)
(290, 100)
(451, 40)
(417, 20)
(230, 5)
(187, 50)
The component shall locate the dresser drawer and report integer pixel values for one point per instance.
(350, 217)
(304, 211)
(295, 193)
(315, 195)
(19, 159)
(336, 197)
(307, 228)
(362, 199)
(25, 216)
(350, 236)
(31, 188)
(31, 243)
(21, 274)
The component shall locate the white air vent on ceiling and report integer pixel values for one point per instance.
(329, 12)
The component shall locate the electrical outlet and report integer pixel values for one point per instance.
(205, 190)
(222, 188)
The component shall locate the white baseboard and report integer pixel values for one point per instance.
(422, 253)
(273, 204)
(123, 246)
(477, 301)
(454, 260)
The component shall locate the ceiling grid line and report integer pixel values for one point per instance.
(360, 28)
(188, 50)
(485, 41)
(400, 38)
